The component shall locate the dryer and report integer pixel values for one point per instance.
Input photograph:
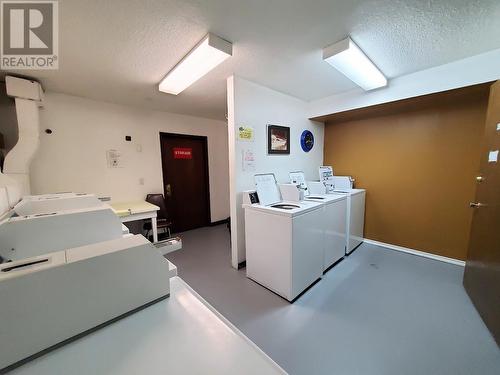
(284, 243)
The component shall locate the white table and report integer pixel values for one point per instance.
(138, 210)
(180, 335)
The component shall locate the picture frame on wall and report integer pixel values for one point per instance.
(278, 140)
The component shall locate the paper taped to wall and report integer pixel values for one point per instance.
(493, 156)
(248, 160)
(245, 133)
(114, 158)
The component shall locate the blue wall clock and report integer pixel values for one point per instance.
(307, 140)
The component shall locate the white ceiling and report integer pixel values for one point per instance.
(118, 50)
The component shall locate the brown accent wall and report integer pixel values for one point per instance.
(417, 159)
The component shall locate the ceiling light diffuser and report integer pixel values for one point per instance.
(205, 56)
(349, 59)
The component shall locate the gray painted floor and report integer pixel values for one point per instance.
(376, 312)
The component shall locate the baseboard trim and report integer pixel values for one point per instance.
(214, 223)
(419, 253)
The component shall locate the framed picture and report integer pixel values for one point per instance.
(278, 140)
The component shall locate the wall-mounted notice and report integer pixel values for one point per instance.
(245, 133)
(248, 160)
(114, 158)
(493, 156)
(182, 153)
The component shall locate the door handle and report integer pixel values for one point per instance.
(168, 190)
(477, 205)
(479, 179)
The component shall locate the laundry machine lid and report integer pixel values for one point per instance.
(285, 208)
(349, 191)
(326, 198)
(267, 189)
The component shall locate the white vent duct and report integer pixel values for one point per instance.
(28, 98)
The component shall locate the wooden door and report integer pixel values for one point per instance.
(482, 270)
(185, 180)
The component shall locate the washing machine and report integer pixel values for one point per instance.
(284, 240)
(355, 214)
(334, 220)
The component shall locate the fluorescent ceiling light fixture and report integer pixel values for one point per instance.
(205, 56)
(347, 58)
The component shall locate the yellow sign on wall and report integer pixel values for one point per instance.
(245, 133)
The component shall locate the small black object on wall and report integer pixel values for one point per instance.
(254, 198)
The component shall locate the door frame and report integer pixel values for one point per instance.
(204, 140)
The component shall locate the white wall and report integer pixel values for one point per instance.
(73, 157)
(466, 72)
(250, 104)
